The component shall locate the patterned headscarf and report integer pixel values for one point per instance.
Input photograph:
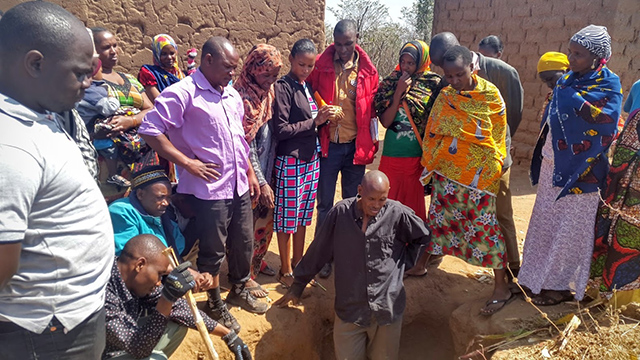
(258, 102)
(596, 39)
(159, 42)
(421, 94)
(419, 51)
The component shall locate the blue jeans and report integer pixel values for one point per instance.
(340, 160)
(85, 341)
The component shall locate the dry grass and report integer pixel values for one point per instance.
(603, 334)
(615, 339)
(595, 332)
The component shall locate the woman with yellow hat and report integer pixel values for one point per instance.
(551, 66)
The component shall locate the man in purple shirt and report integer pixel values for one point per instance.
(203, 118)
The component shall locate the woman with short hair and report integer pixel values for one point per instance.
(123, 141)
(463, 153)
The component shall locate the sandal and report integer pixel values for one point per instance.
(551, 297)
(118, 180)
(258, 291)
(488, 312)
(281, 279)
(266, 269)
(407, 274)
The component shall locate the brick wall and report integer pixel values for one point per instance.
(529, 28)
(191, 22)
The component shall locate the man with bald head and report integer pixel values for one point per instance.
(56, 243)
(505, 77)
(146, 314)
(202, 115)
(370, 239)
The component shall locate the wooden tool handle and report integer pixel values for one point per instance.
(200, 325)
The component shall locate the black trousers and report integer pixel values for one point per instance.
(221, 223)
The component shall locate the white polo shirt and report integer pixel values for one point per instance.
(51, 205)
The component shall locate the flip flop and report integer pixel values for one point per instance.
(254, 290)
(496, 302)
(119, 180)
(267, 270)
(405, 275)
(544, 299)
(280, 276)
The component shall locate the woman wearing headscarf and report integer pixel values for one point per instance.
(403, 103)
(165, 70)
(580, 123)
(255, 84)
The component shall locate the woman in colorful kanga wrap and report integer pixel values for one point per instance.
(570, 162)
(616, 254)
(463, 152)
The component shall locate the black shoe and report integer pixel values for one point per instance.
(325, 272)
(222, 315)
(245, 300)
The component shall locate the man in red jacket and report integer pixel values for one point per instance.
(345, 76)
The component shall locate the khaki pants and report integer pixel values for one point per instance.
(504, 212)
(375, 342)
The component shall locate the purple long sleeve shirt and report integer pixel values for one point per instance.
(207, 125)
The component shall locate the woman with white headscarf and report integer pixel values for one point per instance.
(570, 162)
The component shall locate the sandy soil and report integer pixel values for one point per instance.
(305, 332)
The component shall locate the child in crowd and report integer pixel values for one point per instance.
(297, 166)
(192, 66)
(96, 108)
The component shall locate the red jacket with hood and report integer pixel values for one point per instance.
(322, 80)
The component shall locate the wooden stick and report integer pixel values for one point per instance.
(202, 328)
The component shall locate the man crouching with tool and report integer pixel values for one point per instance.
(146, 316)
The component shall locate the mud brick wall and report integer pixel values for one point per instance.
(529, 28)
(191, 22)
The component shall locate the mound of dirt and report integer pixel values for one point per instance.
(429, 331)
(305, 331)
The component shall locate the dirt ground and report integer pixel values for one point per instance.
(305, 331)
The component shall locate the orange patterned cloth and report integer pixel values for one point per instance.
(258, 102)
(465, 137)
